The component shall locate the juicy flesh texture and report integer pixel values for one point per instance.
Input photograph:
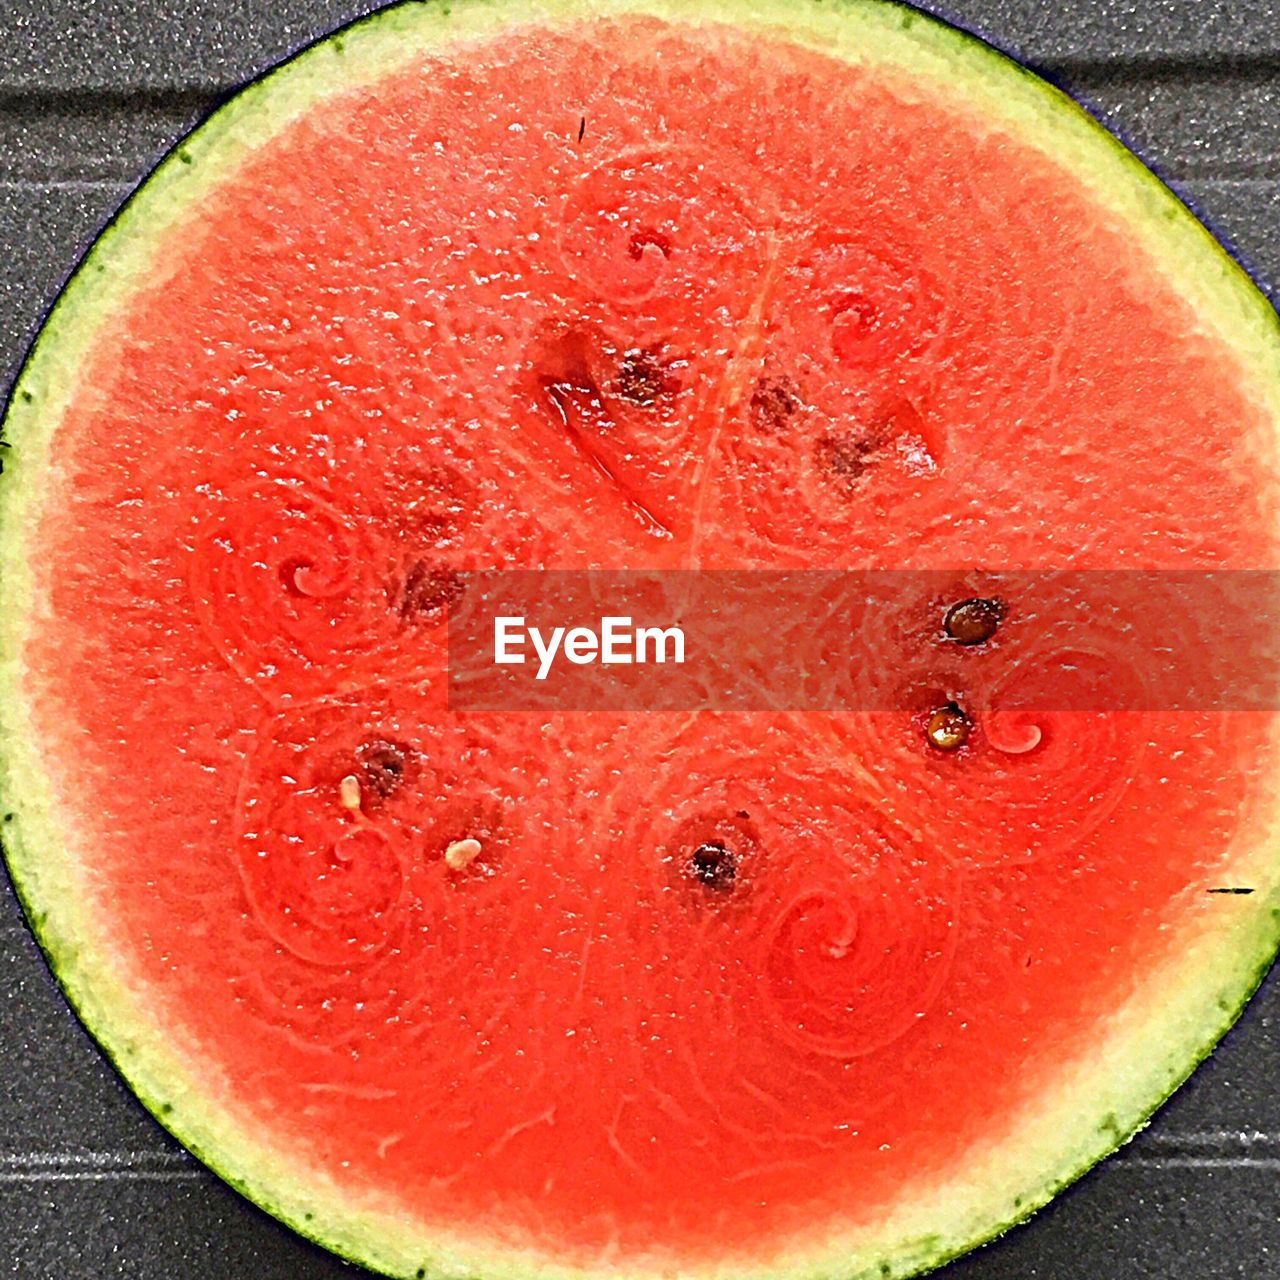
(769, 311)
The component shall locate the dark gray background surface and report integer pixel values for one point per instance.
(92, 92)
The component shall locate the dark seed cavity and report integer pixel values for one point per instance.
(714, 850)
(947, 728)
(714, 865)
(648, 238)
(289, 571)
(857, 310)
(429, 590)
(774, 402)
(973, 621)
(383, 767)
(846, 459)
(641, 378)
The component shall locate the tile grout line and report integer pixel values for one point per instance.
(121, 1159)
(72, 184)
(1201, 1162)
(19, 1177)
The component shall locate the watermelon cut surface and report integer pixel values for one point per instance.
(629, 286)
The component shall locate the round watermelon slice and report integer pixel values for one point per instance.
(632, 285)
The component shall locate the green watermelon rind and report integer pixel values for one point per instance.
(40, 845)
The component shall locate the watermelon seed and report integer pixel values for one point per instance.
(383, 766)
(349, 793)
(973, 621)
(774, 402)
(1230, 889)
(462, 853)
(714, 865)
(582, 128)
(948, 728)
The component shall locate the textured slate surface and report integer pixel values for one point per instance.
(74, 44)
(91, 93)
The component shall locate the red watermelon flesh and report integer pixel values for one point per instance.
(623, 295)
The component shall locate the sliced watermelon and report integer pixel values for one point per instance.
(640, 285)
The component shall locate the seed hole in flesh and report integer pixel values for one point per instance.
(846, 459)
(383, 767)
(645, 239)
(291, 573)
(854, 329)
(428, 591)
(947, 728)
(576, 404)
(716, 851)
(568, 389)
(973, 621)
(359, 844)
(774, 402)
(642, 378)
(714, 865)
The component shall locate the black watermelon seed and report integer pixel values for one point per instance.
(947, 728)
(973, 621)
(714, 865)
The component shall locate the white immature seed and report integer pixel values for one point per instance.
(349, 793)
(462, 853)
